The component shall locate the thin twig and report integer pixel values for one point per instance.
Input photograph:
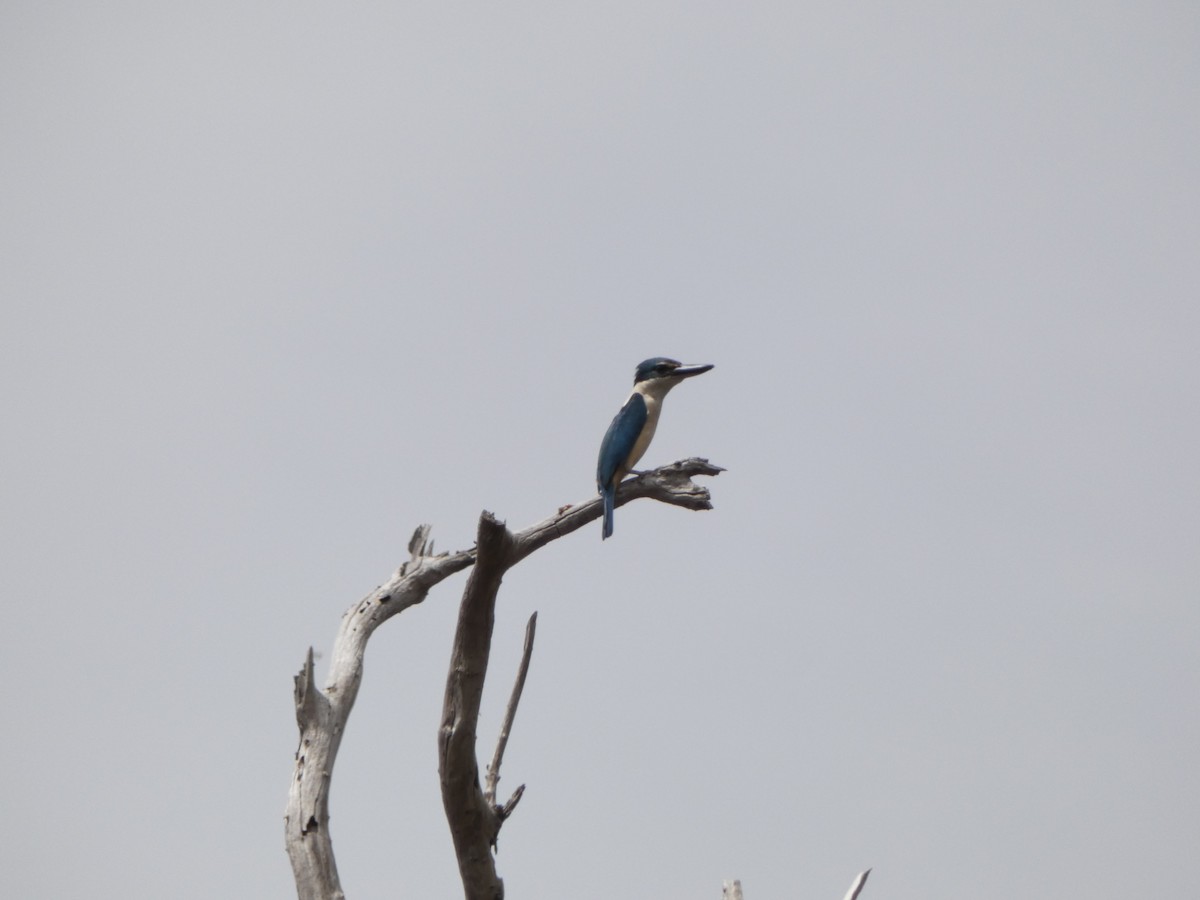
(493, 771)
(857, 886)
(503, 812)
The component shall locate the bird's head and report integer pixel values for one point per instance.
(671, 371)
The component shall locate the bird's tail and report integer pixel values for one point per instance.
(610, 497)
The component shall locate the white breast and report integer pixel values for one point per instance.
(652, 393)
(643, 441)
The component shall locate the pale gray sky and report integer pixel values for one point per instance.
(282, 281)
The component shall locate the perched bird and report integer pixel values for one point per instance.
(631, 431)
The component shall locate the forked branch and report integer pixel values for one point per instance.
(510, 713)
(322, 715)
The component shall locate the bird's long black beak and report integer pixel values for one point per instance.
(688, 371)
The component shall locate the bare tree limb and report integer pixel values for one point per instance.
(322, 715)
(510, 713)
(857, 886)
(732, 890)
(670, 484)
(473, 816)
(474, 823)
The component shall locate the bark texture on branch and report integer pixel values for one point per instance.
(322, 715)
(474, 823)
(670, 484)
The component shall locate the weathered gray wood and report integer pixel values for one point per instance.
(510, 713)
(322, 715)
(857, 886)
(670, 484)
(474, 824)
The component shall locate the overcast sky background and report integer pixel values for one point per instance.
(282, 281)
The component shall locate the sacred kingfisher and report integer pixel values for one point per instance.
(631, 431)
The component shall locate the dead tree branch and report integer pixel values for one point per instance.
(857, 886)
(671, 484)
(474, 824)
(493, 770)
(322, 715)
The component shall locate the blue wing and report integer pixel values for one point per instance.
(618, 443)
